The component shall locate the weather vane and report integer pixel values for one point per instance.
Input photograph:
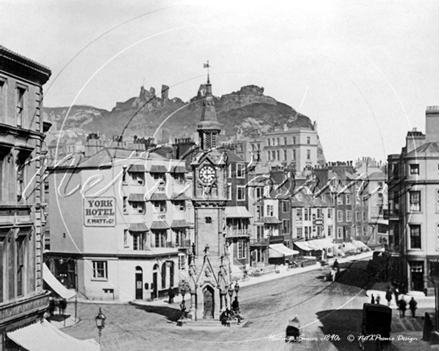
(206, 65)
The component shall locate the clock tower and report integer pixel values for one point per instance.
(210, 269)
(209, 177)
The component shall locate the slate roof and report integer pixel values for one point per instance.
(427, 149)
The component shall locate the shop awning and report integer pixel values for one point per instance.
(43, 336)
(138, 227)
(136, 168)
(181, 196)
(179, 223)
(346, 247)
(303, 245)
(159, 225)
(237, 212)
(138, 197)
(158, 197)
(55, 285)
(271, 220)
(279, 250)
(320, 244)
(360, 245)
(158, 169)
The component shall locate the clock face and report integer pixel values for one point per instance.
(207, 174)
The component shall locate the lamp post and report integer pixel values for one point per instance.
(100, 323)
(236, 288)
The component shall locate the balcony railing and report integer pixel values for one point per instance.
(259, 241)
(238, 232)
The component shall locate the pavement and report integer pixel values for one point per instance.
(284, 271)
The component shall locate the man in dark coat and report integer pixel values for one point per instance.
(171, 295)
(389, 296)
(412, 307)
(236, 309)
(427, 328)
(402, 307)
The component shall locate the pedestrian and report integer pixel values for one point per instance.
(224, 317)
(378, 299)
(51, 306)
(336, 265)
(62, 306)
(372, 299)
(402, 307)
(412, 307)
(427, 328)
(182, 309)
(171, 295)
(389, 296)
(333, 273)
(236, 309)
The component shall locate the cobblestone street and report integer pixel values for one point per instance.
(326, 310)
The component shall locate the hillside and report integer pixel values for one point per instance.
(247, 109)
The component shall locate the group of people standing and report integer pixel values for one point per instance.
(402, 307)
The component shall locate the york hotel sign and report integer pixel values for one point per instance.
(99, 212)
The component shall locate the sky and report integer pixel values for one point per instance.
(365, 71)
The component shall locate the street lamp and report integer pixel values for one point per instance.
(100, 323)
(236, 287)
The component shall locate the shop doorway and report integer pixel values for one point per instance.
(417, 275)
(139, 282)
(154, 283)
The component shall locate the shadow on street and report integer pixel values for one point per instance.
(172, 314)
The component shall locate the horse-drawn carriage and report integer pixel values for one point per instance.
(376, 325)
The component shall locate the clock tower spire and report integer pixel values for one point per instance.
(208, 127)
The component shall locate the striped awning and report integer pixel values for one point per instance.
(159, 225)
(158, 169)
(136, 197)
(158, 197)
(271, 220)
(138, 227)
(136, 168)
(179, 223)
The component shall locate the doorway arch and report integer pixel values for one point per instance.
(208, 302)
